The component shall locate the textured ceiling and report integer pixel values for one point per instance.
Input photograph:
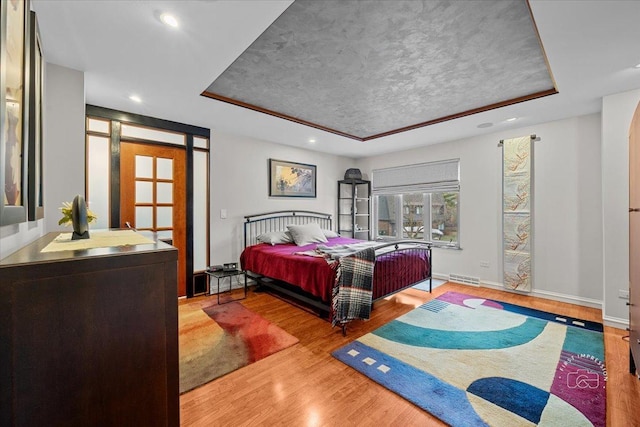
(370, 68)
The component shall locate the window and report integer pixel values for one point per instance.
(418, 202)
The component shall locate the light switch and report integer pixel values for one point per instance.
(223, 214)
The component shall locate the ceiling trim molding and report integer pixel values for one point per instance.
(388, 133)
(276, 114)
(544, 52)
(465, 113)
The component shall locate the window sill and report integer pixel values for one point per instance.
(449, 247)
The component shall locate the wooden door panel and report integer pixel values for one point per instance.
(156, 202)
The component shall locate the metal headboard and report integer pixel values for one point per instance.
(278, 220)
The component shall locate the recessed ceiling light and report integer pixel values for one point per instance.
(135, 98)
(485, 125)
(637, 65)
(511, 119)
(169, 20)
(312, 140)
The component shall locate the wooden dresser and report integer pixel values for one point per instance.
(89, 337)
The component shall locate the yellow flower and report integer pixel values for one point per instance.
(67, 209)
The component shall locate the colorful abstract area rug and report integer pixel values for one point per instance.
(217, 339)
(476, 362)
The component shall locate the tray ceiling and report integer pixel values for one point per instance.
(371, 68)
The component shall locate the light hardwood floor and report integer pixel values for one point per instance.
(305, 386)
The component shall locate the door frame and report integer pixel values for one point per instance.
(117, 118)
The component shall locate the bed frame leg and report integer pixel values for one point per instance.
(344, 329)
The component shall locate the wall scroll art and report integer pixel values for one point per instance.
(517, 160)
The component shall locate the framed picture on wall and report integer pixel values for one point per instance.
(13, 112)
(290, 179)
(35, 204)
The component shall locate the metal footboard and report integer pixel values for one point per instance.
(400, 265)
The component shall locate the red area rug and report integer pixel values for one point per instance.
(217, 339)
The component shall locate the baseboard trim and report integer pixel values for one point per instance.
(446, 278)
(616, 322)
(585, 302)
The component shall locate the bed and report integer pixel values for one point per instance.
(293, 270)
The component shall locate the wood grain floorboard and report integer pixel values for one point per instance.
(305, 386)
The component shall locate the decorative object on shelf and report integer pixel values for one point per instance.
(79, 219)
(79, 216)
(290, 179)
(353, 173)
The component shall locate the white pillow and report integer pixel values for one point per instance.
(307, 233)
(275, 237)
(329, 234)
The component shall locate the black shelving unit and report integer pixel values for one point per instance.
(354, 208)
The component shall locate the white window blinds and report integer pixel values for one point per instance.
(429, 177)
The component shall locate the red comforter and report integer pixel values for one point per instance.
(315, 276)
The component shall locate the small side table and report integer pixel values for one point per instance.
(221, 275)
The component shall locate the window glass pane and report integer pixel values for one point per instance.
(144, 166)
(444, 217)
(98, 172)
(200, 211)
(164, 192)
(418, 215)
(144, 192)
(144, 217)
(165, 216)
(412, 219)
(152, 134)
(165, 168)
(200, 142)
(97, 125)
(386, 215)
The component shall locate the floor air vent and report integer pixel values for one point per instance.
(465, 280)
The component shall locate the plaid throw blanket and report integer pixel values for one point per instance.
(340, 251)
(352, 293)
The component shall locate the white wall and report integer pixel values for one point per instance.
(63, 147)
(15, 236)
(63, 153)
(240, 184)
(617, 112)
(567, 206)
